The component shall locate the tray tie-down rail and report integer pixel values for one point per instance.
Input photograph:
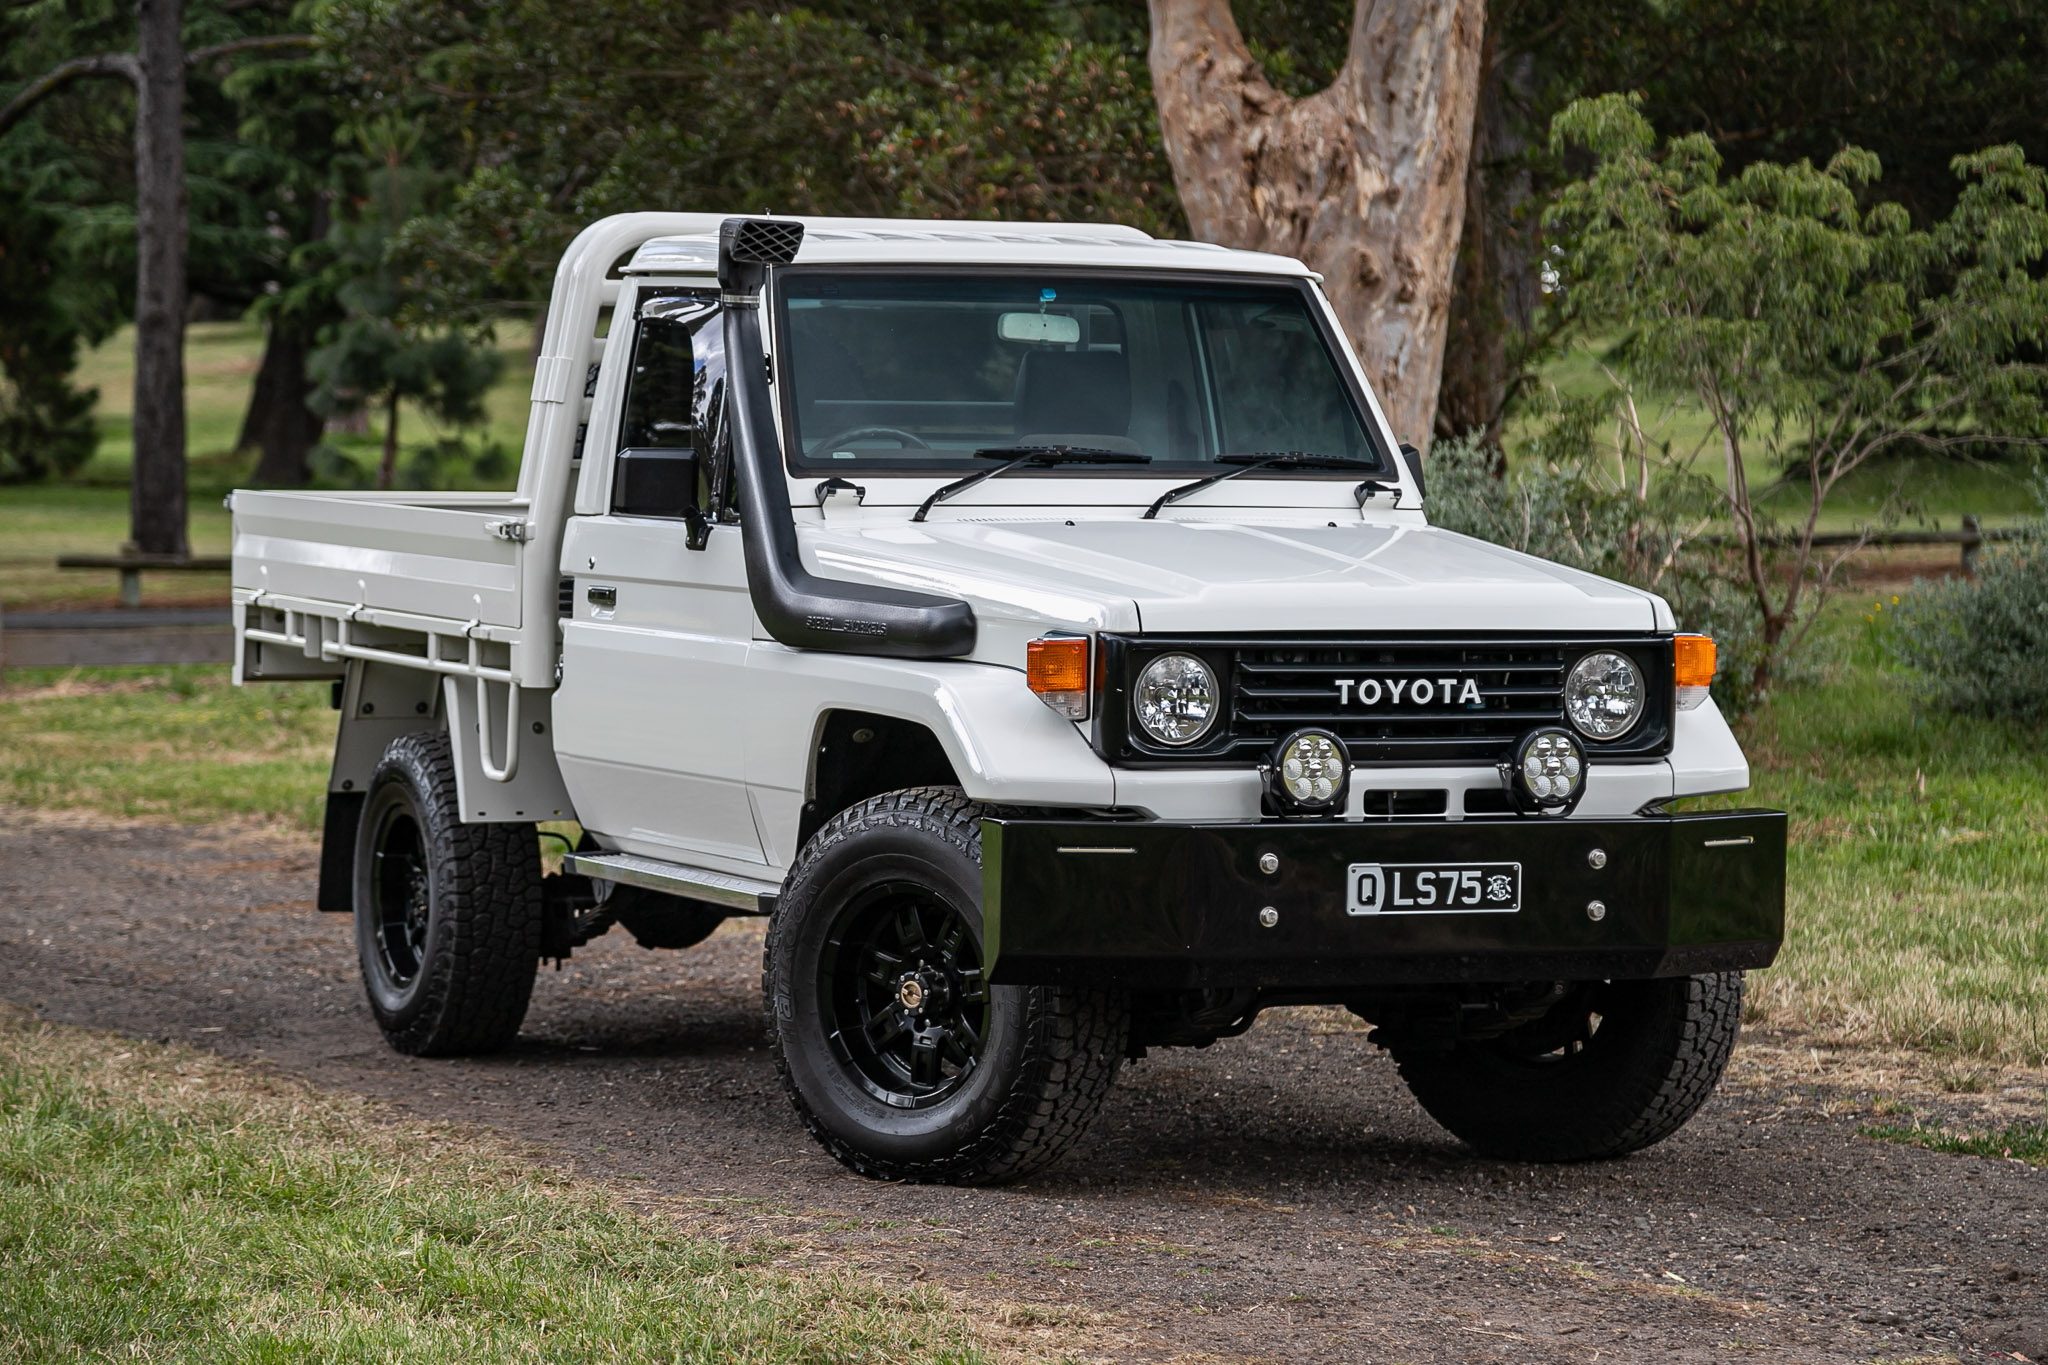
(470, 665)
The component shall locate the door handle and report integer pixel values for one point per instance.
(603, 598)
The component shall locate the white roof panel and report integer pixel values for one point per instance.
(907, 241)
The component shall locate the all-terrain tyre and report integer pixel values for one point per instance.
(448, 916)
(899, 1057)
(1615, 1067)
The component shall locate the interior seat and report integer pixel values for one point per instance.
(1074, 398)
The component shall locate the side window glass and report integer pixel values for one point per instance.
(660, 389)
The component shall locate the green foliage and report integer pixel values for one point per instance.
(1980, 643)
(46, 423)
(380, 351)
(1804, 324)
(1578, 497)
(548, 118)
(1915, 81)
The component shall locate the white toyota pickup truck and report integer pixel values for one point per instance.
(1040, 625)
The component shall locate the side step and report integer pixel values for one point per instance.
(741, 895)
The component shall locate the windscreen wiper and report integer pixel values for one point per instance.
(1015, 457)
(1249, 460)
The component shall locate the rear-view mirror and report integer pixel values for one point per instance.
(1056, 329)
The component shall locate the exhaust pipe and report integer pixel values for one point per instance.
(799, 608)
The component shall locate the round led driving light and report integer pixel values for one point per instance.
(1309, 772)
(1549, 769)
(1175, 699)
(1603, 695)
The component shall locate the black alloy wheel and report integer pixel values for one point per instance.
(900, 1058)
(401, 894)
(447, 915)
(904, 1002)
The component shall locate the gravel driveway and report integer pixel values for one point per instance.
(1275, 1197)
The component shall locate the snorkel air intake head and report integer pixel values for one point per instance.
(747, 247)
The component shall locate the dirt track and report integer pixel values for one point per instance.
(1275, 1197)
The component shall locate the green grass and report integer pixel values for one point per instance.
(2026, 1142)
(1921, 492)
(220, 368)
(88, 513)
(167, 743)
(1918, 866)
(159, 1205)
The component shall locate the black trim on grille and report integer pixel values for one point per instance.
(1274, 684)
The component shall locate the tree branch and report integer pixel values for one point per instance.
(121, 64)
(207, 54)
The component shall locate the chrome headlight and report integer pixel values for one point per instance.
(1604, 695)
(1175, 699)
(1309, 773)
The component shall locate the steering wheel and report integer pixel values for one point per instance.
(909, 440)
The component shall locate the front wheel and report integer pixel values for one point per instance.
(899, 1056)
(1612, 1068)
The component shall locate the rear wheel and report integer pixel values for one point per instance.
(447, 915)
(899, 1056)
(1612, 1068)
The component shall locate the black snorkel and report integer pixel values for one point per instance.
(799, 608)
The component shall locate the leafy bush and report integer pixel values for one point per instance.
(1560, 503)
(1978, 643)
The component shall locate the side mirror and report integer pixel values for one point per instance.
(655, 482)
(1412, 457)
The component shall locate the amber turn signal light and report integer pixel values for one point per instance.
(1056, 668)
(1692, 668)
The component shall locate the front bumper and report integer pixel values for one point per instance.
(1178, 906)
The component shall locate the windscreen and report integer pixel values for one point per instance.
(910, 372)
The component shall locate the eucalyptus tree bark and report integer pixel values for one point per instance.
(156, 491)
(1364, 180)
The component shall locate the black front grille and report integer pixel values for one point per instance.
(1435, 699)
(1371, 696)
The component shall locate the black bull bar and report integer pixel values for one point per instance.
(1184, 906)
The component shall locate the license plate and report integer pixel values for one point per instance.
(1434, 889)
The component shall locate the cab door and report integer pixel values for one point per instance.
(657, 620)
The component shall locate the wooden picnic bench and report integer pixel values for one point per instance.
(131, 567)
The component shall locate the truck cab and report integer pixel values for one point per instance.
(1040, 625)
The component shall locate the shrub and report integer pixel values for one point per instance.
(1978, 643)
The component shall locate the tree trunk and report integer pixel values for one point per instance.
(388, 466)
(157, 487)
(1365, 180)
(1494, 291)
(278, 422)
